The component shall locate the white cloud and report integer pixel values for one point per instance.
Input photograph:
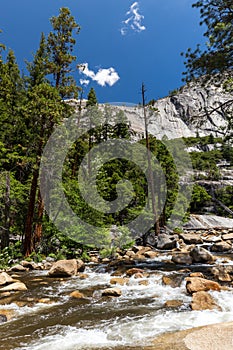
(84, 82)
(134, 20)
(103, 77)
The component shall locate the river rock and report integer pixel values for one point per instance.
(196, 274)
(201, 255)
(166, 242)
(5, 279)
(182, 258)
(203, 301)
(151, 254)
(111, 292)
(173, 281)
(31, 265)
(221, 247)
(66, 268)
(18, 268)
(190, 238)
(197, 284)
(213, 337)
(119, 280)
(173, 303)
(17, 286)
(228, 236)
(133, 271)
(222, 273)
(77, 295)
(140, 249)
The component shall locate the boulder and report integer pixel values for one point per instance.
(119, 280)
(18, 268)
(17, 286)
(140, 249)
(201, 255)
(166, 242)
(221, 247)
(203, 301)
(198, 284)
(182, 258)
(66, 268)
(31, 265)
(190, 238)
(196, 274)
(111, 292)
(5, 279)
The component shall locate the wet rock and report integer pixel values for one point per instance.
(182, 258)
(5, 279)
(17, 286)
(139, 256)
(83, 276)
(18, 268)
(143, 283)
(190, 238)
(77, 295)
(119, 280)
(173, 303)
(211, 239)
(221, 247)
(131, 254)
(45, 301)
(3, 318)
(203, 301)
(173, 281)
(196, 274)
(133, 271)
(222, 273)
(66, 268)
(201, 255)
(197, 284)
(166, 242)
(111, 292)
(47, 265)
(94, 260)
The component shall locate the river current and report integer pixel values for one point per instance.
(130, 321)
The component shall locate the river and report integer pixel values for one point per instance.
(130, 321)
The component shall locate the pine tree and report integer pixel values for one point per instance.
(91, 98)
(60, 47)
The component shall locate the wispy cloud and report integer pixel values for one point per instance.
(103, 77)
(133, 21)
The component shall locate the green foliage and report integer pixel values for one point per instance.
(91, 99)
(200, 198)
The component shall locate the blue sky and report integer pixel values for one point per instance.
(122, 42)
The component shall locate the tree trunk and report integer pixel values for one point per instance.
(38, 229)
(6, 229)
(28, 238)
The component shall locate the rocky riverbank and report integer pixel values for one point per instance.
(187, 263)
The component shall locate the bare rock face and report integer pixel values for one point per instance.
(66, 268)
(203, 301)
(197, 284)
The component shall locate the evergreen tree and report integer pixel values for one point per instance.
(60, 47)
(91, 98)
(218, 56)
